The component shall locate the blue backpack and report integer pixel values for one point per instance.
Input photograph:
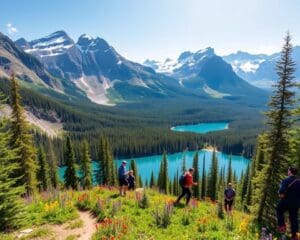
(181, 180)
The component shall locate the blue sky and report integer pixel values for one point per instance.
(140, 29)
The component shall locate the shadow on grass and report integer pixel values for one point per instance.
(115, 195)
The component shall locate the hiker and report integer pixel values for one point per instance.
(131, 180)
(289, 193)
(186, 182)
(229, 195)
(122, 174)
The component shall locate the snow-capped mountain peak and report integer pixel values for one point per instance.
(54, 44)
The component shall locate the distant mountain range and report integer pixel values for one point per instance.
(257, 69)
(93, 69)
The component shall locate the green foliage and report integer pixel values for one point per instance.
(11, 213)
(85, 167)
(163, 176)
(52, 162)
(196, 176)
(163, 216)
(71, 179)
(107, 173)
(22, 142)
(203, 180)
(152, 180)
(229, 170)
(144, 202)
(43, 176)
(279, 120)
(213, 178)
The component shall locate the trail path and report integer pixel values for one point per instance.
(83, 233)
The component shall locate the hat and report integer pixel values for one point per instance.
(124, 162)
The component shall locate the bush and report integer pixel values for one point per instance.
(144, 202)
(163, 217)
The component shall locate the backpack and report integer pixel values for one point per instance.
(182, 180)
(230, 193)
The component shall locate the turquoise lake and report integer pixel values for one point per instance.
(152, 163)
(201, 127)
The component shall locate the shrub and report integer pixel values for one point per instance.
(144, 202)
(98, 211)
(83, 202)
(163, 217)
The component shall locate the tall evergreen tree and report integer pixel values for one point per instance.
(183, 166)
(10, 205)
(85, 167)
(163, 175)
(279, 121)
(71, 179)
(152, 180)
(53, 167)
(43, 175)
(196, 189)
(22, 141)
(229, 170)
(213, 177)
(203, 180)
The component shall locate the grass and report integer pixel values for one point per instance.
(38, 233)
(136, 216)
(71, 237)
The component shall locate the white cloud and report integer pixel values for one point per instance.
(11, 29)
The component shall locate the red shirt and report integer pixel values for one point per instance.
(188, 180)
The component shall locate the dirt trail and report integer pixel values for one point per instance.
(83, 233)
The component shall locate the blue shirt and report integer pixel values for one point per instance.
(122, 171)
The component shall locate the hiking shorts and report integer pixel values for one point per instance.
(123, 182)
(228, 203)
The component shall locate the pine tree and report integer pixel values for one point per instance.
(85, 167)
(133, 167)
(196, 189)
(244, 186)
(140, 183)
(152, 180)
(203, 180)
(183, 167)
(43, 175)
(11, 206)
(163, 178)
(213, 178)
(279, 121)
(53, 168)
(22, 141)
(70, 173)
(229, 170)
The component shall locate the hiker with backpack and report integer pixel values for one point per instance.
(186, 182)
(229, 195)
(122, 175)
(289, 193)
(131, 180)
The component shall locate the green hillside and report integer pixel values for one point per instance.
(131, 217)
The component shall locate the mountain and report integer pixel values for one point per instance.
(98, 69)
(260, 69)
(25, 66)
(206, 72)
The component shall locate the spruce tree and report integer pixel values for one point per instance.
(152, 180)
(229, 170)
(213, 178)
(22, 141)
(163, 178)
(279, 120)
(85, 167)
(11, 206)
(71, 180)
(196, 189)
(203, 180)
(140, 183)
(43, 175)
(53, 167)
